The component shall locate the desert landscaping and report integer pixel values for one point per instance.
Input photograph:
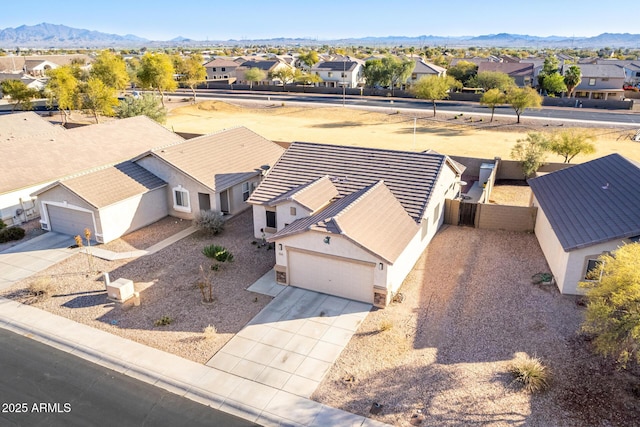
(441, 356)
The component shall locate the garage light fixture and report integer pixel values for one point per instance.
(380, 266)
(279, 246)
(327, 240)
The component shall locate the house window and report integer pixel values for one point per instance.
(253, 186)
(181, 199)
(223, 69)
(271, 219)
(245, 191)
(344, 75)
(592, 82)
(414, 76)
(425, 228)
(213, 68)
(592, 272)
(330, 74)
(436, 213)
(292, 211)
(605, 79)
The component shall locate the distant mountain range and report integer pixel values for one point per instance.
(60, 36)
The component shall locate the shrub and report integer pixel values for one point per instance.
(386, 325)
(11, 233)
(41, 287)
(2, 225)
(530, 373)
(163, 321)
(219, 253)
(209, 221)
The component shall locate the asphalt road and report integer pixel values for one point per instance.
(43, 386)
(615, 117)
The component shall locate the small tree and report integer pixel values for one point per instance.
(156, 72)
(522, 98)
(285, 75)
(572, 78)
(98, 98)
(110, 69)
(530, 152)
(492, 99)
(554, 84)
(254, 75)
(146, 104)
(571, 142)
(464, 72)
(21, 95)
(62, 88)
(191, 72)
(309, 59)
(613, 304)
(493, 80)
(434, 88)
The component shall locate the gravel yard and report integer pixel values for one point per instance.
(512, 193)
(167, 284)
(469, 310)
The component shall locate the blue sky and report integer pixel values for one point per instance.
(322, 19)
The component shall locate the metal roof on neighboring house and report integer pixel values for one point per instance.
(223, 159)
(106, 186)
(41, 152)
(592, 202)
(410, 176)
(371, 217)
(312, 195)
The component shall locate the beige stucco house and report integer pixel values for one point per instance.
(584, 211)
(211, 172)
(351, 221)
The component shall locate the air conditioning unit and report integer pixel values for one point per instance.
(120, 290)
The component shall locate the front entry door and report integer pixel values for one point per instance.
(224, 201)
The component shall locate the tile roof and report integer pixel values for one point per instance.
(106, 186)
(312, 195)
(592, 202)
(336, 65)
(601, 70)
(511, 68)
(41, 152)
(223, 159)
(265, 65)
(221, 62)
(410, 176)
(357, 217)
(423, 67)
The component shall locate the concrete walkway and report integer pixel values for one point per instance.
(248, 399)
(97, 251)
(34, 256)
(293, 342)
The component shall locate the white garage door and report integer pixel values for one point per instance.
(70, 221)
(331, 275)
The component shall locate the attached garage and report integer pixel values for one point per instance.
(67, 220)
(332, 275)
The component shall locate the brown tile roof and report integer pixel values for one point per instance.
(510, 68)
(106, 186)
(41, 152)
(409, 175)
(221, 160)
(220, 62)
(313, 195)
(371, 217)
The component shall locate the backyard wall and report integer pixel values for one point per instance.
(507, 169)
(495, 217)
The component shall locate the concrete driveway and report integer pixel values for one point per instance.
(292, 343)
(33, 256)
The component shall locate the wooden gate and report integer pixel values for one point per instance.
(468, 214)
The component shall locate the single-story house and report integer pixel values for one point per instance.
(211, 172)
(110, 202)
(584, 211)
(351, 221)
(42, 153)
(521, 72)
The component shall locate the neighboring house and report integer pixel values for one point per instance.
(110, 202)
(345, 73)
(632, 74)
(212, 172)
(351, 221)
(29, 81)
(220, 70)
(584, 211)
(521, 72)
(38, 67)
(600, 81)
(423, 69)
(42, 153)
(268, 66)
(37, 64)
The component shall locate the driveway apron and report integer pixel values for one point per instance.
(34, 256)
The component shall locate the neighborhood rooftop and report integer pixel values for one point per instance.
(593, 202)
(220, 160)
(410, 176)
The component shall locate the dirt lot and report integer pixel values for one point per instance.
(512, 193)
(470, 309)
(464, 136)
(167, 282)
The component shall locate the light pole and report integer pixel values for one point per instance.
(344, 75)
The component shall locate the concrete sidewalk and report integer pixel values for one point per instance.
(250, 400)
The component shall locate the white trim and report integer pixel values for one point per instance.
(187, 198)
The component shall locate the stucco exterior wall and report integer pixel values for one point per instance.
(175, 178)
(577, 265)
(133, 213)
(237, 204)
(60, 196)
(10, 202)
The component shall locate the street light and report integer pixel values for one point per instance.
(344, 75)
